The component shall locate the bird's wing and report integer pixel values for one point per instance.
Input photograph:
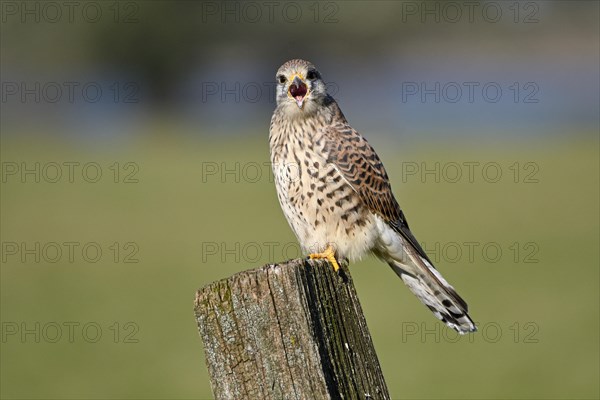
(356, 161)
(361, 168)
(359, 165)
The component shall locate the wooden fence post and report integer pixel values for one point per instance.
(288, 331)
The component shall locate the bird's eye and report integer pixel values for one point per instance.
(281, 79)
(312, 74)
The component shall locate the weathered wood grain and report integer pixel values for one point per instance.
(288, 331)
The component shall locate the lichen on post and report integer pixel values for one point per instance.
(288, 331)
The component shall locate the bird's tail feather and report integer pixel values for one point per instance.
(434, 291)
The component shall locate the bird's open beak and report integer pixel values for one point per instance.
(298, 90)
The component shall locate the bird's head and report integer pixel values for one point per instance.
(300, 88)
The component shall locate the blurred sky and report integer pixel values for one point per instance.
(412, 68)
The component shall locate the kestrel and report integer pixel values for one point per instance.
(336, 195)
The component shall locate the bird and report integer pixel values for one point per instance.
(336, 195)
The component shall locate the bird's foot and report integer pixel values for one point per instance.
(328, 254)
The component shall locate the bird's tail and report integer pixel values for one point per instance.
(433, 291)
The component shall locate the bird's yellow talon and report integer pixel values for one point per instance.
(329, 254)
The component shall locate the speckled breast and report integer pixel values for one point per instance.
(320, 206)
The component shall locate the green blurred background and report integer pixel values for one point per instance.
(179, 135)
